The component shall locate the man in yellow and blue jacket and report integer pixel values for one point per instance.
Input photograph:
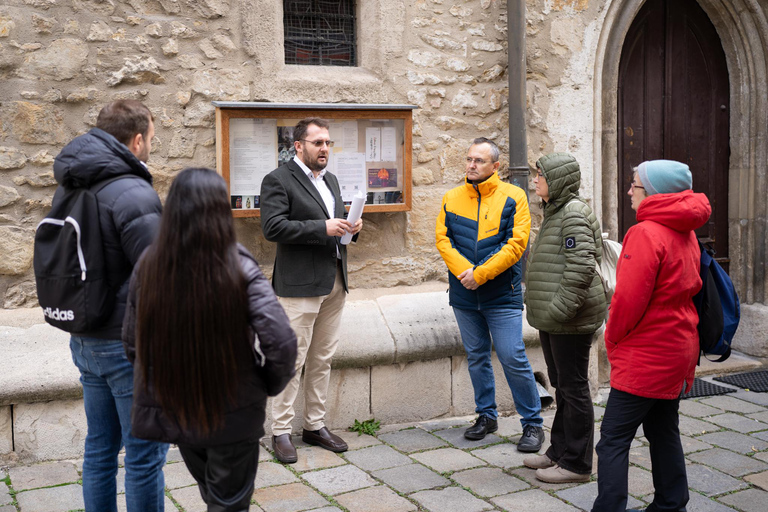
(482, 232)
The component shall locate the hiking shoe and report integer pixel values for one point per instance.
(533, 438)
(558, 475)
(482, 427)
(538, 462)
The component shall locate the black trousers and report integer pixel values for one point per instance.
(623, 414)
(573, 429)
(224, 474)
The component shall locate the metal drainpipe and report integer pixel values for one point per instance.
(516, 71)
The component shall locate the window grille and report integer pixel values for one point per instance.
(320, 32)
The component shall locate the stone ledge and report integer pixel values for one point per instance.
(379, 327)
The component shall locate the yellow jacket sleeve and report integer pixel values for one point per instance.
(453, 259)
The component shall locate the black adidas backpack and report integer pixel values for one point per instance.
(69, 263)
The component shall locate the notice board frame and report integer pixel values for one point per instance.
(226, 111)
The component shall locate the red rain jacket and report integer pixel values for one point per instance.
(651, 335)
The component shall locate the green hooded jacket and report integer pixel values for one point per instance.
(564, 293)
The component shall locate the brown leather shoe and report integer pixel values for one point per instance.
(324, 439)
(284, 449)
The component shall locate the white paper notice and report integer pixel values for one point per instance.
(349, 168)
(252, 154)
(373, 144)
(388, 144)
(355, 211)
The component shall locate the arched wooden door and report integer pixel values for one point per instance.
(673, 102)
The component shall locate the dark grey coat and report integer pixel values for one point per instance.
(564, 293)
(293, 215)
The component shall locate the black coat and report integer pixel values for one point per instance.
(244, 420)
(129, 209)
(293, 214)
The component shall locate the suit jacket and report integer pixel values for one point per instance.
(293, 214)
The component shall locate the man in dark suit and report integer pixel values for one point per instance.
(302, 210)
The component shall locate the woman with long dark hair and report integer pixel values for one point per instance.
(208, 340)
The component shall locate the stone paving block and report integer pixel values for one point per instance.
(455, 436)
(52, 499)
(640, 482)
(583, 496)
(529, 475)
(375, 499)
(408, 479)
(759, 479)
(177, 475)
(377, 457)
(504, 455)
(7, 508)
(751, 500)
(759, 416)
(412, 440)
(448, 459)
(691, 445)
(509, 426)
(695, 427)
(338, 480)
(760, 435)
(356, 441)
(731, 404)
(710, 481)
(700, 503)
(49, 430)
(269, 474)
(599, 412)
(423, 389)
(5, 494)
(697, 409)
(190, 499)
(738, 423)
(174, 455)
(441, 424)
(326, 509)
(751, 396)
(728, 462)
(641, 456)
(288, 498)
(534, 499)
(450, 499)
(735, 441)
(488, 482)
(314, 457)
(762, 456)
(42, 475)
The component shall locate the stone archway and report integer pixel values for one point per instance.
(743, 29)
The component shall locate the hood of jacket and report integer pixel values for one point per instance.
(94, 157)
(681, 211)
(563, 177)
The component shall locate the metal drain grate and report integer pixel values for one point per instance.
(753, 381)
(705, 388)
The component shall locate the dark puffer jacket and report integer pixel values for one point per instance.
(129, 209)
(244, 420)
(564, 293)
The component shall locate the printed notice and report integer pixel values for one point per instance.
(388, 144)
(373, 144)
(252, 154)
(344, 135)
(349, 168)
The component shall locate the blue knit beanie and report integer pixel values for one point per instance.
(664, 176)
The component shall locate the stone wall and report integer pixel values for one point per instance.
(61, 60)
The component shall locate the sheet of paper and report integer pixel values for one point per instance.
(388, 144)
(252, 154)
(344, 135)
(355, 211)
(373, 144)
(349, 168)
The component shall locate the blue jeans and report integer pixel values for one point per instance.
(107, 378)
(505, 328)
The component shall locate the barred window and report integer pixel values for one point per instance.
(320, 32)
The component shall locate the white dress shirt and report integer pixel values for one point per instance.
(322, 187)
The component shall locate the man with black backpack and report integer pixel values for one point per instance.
(104, 214)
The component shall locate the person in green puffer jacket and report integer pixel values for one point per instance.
(565, 301)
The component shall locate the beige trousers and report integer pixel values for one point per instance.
(316, 321)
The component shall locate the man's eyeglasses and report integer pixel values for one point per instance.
(319, 143)
(477, 161)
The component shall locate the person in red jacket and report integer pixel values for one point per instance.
(651, 335)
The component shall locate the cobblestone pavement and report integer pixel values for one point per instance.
(429, 466)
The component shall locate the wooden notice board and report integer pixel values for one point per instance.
(371, 153)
